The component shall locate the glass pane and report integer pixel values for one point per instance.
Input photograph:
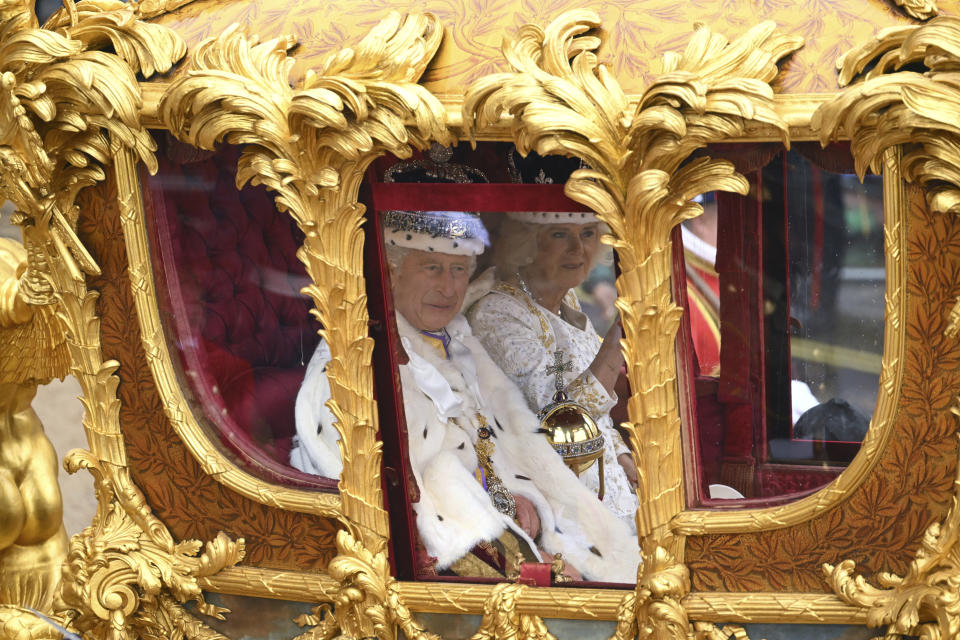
(784, 291)
(490, 306)
(230, 282)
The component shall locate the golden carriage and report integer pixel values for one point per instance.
(129, 132)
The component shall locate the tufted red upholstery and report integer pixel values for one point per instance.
(228, 260)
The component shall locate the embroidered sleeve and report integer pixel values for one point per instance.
(613, 436)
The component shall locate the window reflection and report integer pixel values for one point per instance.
(230, 282)
(785, 297)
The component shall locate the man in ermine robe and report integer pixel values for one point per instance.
(488, 480)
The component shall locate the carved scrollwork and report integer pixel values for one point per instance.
(883, 107)
(708, 631)
(924, 602)
(655, 609)
(919, 9)
(65, 106)
(913, 113)
(501, 619)
(564, 103)
(367, 603)
(311, 145)
(131, 585)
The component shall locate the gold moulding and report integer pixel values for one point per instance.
(556, 602)
(891, 378)
(794, 109)
(176, 407)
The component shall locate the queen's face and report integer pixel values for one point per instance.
(428, 288)
(565, 253)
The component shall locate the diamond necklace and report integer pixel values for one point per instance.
(526, 290)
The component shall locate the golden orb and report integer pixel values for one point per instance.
(573, 433)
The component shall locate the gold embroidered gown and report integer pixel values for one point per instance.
(521, 337)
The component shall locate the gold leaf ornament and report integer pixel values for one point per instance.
(65, 107)
(367, 603)
(501, 620)
(655, 609)
(925, 602)
(311, 145)
(563, 102)
(884, 107)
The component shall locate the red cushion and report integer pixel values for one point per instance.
(233, 284)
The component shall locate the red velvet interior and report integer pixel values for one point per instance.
(230, 281)
(730, 410)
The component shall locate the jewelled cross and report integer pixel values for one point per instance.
(559, 367)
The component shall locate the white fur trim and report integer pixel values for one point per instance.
(315, 447)
(553, 217)
(454, 512)
(453, 232)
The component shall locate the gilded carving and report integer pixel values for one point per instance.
(367, 603)
(562, 102)
(311, 145)
(925, 601)
(63, 106)
(502, 621)
(122, 583)
(919, 9)
(882, 109)
(953, 321)
(708, 631)
(655, 609)
(634, 33)
(33, 543)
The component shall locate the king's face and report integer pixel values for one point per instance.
(428, 288)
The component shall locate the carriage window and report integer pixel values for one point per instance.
(784, 290)
(229, 282)
(495, 290)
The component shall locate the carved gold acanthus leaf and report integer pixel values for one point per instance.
(886, 113)
(655, 609)
(919, 9)
(563, 102)
(918, 110)
(925, 602)
(502, 620)
(65, 106)
(311, 144)
(366, 602)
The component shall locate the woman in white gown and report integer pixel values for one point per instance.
(532, 312)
